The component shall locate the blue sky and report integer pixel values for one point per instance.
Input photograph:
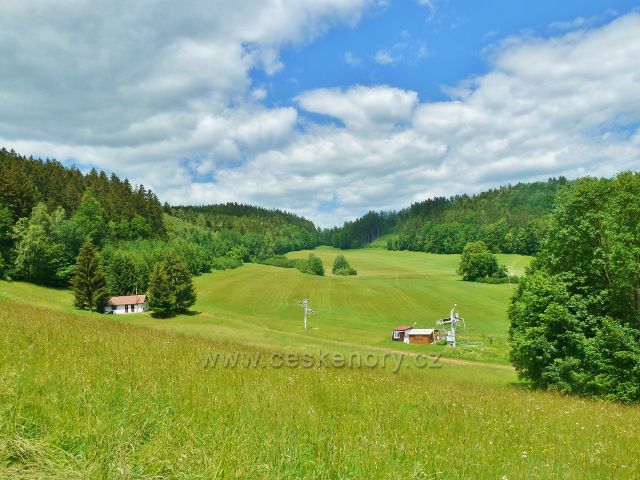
(457, 36)
(328, 108)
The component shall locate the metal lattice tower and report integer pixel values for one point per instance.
(307, 311)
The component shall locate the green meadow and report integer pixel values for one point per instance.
(100, 396)
(256, 304)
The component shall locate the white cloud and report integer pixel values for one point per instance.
(384, 57)
(583, 22)
(366, 109)
(352, 60)
(547, 107)
(431, 7)
(168, 100)
(406, 50)
(259, 93)
(83, 74)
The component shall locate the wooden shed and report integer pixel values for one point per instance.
(400, 332)
(422, 336)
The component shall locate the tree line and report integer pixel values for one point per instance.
(509, 219)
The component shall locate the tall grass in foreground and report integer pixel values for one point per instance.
(90, 398)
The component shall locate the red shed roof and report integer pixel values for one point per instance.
(402, 328)
(127, 300)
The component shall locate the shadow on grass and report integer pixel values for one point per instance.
(165, 316)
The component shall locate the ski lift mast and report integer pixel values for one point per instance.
(307, 311)
(454, 320)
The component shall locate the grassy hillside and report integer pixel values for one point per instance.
(84, 396)
(94, 396)
(256, 304)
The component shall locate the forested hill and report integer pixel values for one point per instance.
(227, 216)
(509, 219)
(257, 229)
(25, 182)
(47, 212)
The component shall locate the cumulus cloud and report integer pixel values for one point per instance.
(568, 105)
(366, 109)
(557, 106)
(149, 81)
(168, 100)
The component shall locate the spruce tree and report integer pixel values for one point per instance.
(88, 281)
(122, 274)
(161, 295)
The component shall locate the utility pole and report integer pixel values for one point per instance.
(307, 311)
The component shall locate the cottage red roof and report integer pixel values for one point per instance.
(403, 328)
(127, 300)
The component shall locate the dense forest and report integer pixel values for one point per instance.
(48, 212)
(510, 219)
(26, 182)
(283, 231)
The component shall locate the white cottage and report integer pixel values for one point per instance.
(127, 304)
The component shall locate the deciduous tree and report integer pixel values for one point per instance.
(341, 266)
(477, 262)
(575, 319)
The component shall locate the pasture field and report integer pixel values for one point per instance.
(256, 304)
(82, 396)
(100, 396)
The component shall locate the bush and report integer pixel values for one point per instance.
(514, 279)
(312, 265)
(342, 267)
(345, 271)
(225, 263)
(278, 261)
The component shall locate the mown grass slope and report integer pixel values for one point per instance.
(84, 396)
(256, 304)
